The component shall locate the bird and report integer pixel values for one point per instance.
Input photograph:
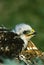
(11, 41)
(14, 41)
(25, 31)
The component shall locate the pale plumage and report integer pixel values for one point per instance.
(23, 34)
(25, 31)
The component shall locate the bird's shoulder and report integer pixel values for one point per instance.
(10, 42)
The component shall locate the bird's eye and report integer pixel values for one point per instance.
(26, 32)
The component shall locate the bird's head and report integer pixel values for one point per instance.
(25, 31)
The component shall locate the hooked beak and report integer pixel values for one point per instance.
(32, 33)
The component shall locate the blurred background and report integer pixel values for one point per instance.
(31, 12)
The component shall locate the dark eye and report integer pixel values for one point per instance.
(26, 32)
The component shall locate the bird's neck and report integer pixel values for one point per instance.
(25, 41)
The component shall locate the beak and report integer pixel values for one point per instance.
(32, 33)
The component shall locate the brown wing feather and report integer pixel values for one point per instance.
(10, 44)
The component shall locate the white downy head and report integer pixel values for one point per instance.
(25, 31)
